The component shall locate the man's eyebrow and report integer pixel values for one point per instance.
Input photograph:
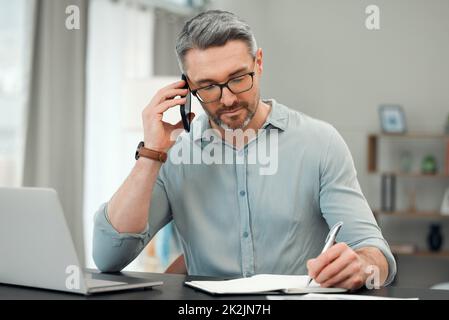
(203, 81)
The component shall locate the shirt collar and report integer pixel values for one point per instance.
(277, 118)
(278, 115)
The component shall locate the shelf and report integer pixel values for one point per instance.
(412, 214)
(389, 178)
(411, 135)
(373, 146)
(425, 254)
(410, 174)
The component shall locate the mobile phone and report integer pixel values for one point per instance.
(187, 107)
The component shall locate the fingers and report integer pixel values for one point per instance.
(156, 112)
(156, 130)
(340, 266)
(333, 269)
(352, 269)
(167, 93)
(174, 85)
(315, 266)
(178, 85)
(352, 282)
(164, 106)
(170, 93)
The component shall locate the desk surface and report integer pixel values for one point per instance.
(174, 289)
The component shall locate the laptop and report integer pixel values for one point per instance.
(37, 250)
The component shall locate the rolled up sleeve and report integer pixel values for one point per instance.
(341, 199)
(113, 251)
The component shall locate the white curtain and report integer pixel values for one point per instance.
(16, 39)
(119, 50)
(120, 83)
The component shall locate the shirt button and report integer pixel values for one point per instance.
(242, 193)
(245, 234)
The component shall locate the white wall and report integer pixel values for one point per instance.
(336, 70)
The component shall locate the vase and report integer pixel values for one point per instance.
(434, 237)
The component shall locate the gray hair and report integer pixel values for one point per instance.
(213, 28)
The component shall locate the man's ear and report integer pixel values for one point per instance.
(259, 60)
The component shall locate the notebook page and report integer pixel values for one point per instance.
(254, 284)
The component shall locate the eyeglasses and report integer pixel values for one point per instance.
(213, 92)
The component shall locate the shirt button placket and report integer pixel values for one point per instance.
(246, 239)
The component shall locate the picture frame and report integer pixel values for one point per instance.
(392, 119)
(445, 204)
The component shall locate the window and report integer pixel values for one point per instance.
(15, 49)
(120, 83)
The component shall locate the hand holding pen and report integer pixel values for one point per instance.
(330, 240)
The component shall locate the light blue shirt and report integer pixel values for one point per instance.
(234, 221)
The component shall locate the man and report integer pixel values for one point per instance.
(231, 219)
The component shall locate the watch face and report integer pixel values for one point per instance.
(137, 156)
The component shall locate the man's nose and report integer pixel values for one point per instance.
(227, 97)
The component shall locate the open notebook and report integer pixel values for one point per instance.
(263, 283)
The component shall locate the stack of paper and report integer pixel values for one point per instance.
(262, 283)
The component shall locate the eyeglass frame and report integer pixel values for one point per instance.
(223, 85)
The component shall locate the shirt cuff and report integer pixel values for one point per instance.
(104, 225)
(382, 245)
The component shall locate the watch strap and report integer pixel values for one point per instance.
(149, 153)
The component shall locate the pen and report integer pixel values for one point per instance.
(330, 240)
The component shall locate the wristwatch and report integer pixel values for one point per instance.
(148, 153)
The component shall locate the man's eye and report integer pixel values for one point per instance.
(237, 80)
(209, 88)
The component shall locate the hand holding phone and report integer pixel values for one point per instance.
(158, 134)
